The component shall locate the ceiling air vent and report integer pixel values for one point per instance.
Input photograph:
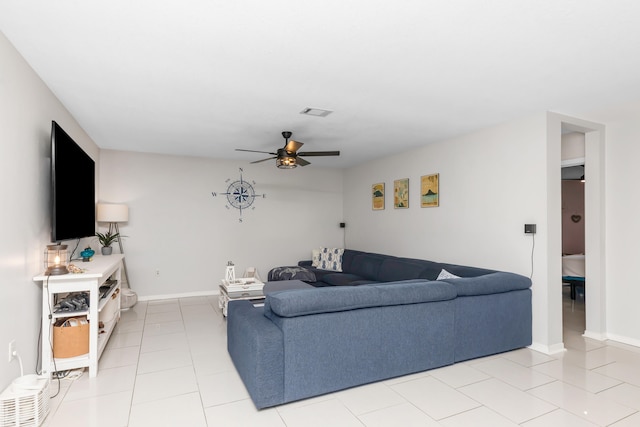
(318, 112)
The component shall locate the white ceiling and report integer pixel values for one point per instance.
(203, 77)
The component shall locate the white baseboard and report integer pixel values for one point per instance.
(547, 349)
(183, 295)
(624, 340)
(595, 335)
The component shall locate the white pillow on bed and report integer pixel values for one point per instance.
(315, 257)
(444, 274)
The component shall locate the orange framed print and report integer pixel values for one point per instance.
(430, 191)
(401, 193)
(377, 196)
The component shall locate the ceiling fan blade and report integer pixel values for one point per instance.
(293, 146)
(301, 162)
(254, 151)
(264, 160)
(319, 153)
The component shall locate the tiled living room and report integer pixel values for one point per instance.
(167, 365)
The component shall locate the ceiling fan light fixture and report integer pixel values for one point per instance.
(286, 162)
(317, 112)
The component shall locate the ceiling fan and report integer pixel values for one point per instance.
(288, 157)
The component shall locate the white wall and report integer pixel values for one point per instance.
(178, 228)
(26, 110)
(492, 182)
(623, 228)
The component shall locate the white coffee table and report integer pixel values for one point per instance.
(256, 295)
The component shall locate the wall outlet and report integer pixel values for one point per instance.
(529, 229)
(12, 350)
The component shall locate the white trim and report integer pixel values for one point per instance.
(175, 296)
(549, 350)
(595, 336)
(595, 305)
(624, 340)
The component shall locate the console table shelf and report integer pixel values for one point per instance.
(105, 310)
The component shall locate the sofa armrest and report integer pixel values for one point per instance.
(302, 302)
(256, 346)
(493, 283)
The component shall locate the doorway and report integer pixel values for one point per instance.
(594, 210)
(574, 283)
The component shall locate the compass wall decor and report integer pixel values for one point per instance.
(240, 194)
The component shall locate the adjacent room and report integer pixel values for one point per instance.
(450, 182)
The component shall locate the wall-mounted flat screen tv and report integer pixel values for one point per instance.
(73, 201)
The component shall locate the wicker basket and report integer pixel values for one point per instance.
(129, 299)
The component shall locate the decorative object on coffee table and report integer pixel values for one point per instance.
(230, 272)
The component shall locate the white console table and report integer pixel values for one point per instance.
(98, 271)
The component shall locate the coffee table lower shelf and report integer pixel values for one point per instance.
(224, 298)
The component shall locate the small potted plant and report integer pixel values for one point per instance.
(106, 239)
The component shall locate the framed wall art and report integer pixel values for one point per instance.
(401, 193)
(430, 191)
(377, 196)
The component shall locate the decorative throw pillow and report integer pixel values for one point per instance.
(330, 259)
(315, 257)
(444, 274)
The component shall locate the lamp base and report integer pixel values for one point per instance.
(56, 271)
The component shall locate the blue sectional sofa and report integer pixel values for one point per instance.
(307, 342)
(360, 268)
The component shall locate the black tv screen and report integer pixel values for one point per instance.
(73, 212)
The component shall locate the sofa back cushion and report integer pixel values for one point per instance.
(492, 283)
(402, 269)
(366, 265)
(466, 271)
(347, 259)
(302, 302)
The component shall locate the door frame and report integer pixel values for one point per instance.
(595, 301)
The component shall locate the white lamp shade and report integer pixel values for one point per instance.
(111, 212)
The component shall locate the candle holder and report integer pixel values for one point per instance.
(230, 273)
(55, 260)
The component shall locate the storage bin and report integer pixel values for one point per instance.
(71, 337)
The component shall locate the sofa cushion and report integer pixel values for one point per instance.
(466, 271)
(493, 283)
(347, 259)
(431, 270)
(315, 257)
(302, 302)
(330, 259)
(393, 269)
(367, 265)
(340, 279)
